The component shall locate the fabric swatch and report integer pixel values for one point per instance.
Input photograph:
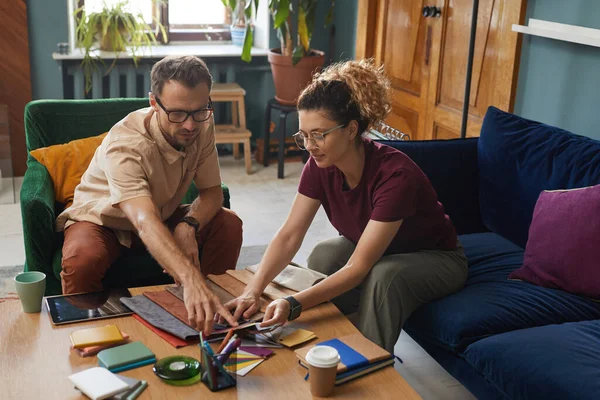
(172, 340)
(158, 317)
(297, 337)
(170, 303)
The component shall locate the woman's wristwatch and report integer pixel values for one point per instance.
(295, 308)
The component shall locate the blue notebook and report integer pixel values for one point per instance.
(358, 356)
(127, 356)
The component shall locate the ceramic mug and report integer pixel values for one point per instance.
(30, 288)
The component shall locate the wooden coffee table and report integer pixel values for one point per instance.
(35, 361)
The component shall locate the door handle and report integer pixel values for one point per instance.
(432, 11)
(428, 45)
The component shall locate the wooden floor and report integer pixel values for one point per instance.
(262, 201)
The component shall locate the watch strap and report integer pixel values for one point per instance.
(295, 308)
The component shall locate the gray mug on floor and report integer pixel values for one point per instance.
(30, 288)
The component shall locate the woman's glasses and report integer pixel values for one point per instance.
(179, 116)
(317, 139)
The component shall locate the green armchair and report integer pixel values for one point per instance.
(49, 122)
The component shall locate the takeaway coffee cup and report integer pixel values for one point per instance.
(30, 288)
(322, 368)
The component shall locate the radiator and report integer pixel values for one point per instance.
(125, 80)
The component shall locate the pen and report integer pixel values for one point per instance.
(227, 347)
(225, 341)
(229, 350)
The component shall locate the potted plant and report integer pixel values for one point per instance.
(114, 29)
(295, 61)
(239, 20)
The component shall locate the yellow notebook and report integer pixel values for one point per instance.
(98, 336)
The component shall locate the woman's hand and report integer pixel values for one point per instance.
(277, 313)
(246, 305)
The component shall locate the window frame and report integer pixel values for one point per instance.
(185, 33)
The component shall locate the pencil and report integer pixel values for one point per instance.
(225, 341)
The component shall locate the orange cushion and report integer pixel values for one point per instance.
(66, 164)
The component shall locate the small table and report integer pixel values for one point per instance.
(36, 361)
(284, 111)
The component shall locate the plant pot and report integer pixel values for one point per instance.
(290, 80)
(107, 40)
(237, 35)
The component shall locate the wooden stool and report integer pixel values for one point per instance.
(235, 133)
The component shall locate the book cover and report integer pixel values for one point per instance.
(97, 336)
(356, 352)
(125, 357)
(98, 383)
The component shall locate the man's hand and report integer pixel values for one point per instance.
(247, 304)
(202, 304)
(276, 314)
(185, 237)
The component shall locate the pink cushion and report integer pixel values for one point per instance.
(563, 250)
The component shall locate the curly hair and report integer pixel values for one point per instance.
(350, 90)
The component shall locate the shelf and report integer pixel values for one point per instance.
(564, 32)
(160, 51)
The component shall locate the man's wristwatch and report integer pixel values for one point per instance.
(295, 308)
(191, 221)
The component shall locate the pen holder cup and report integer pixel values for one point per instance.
(214, 374)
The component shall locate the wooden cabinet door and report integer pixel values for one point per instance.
(15, 78)
(396, 35)
(495, 64)
(426, 59)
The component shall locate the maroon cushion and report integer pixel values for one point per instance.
(563, 251)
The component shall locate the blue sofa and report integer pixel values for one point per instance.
(508, 339)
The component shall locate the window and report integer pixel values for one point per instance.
(183, 19)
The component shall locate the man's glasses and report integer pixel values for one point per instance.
(317, 139)
(179, 116)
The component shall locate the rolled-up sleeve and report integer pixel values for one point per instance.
(208, 173)
(125, 173)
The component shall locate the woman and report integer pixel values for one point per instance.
(397, 248)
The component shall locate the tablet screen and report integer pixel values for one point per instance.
(87, 306)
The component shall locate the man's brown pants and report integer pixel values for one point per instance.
(89, 249)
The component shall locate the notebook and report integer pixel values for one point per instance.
(127, 356)
(93, 350)
(98, 383)
(97, 336)
(294, 277)
(273, 291)
(359, 356)
(133, 385)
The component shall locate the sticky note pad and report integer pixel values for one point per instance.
(297, 337)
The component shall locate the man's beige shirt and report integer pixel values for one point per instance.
(135, 160)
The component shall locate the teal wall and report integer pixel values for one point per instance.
(47, 25)
(47, 20)
(559, 82)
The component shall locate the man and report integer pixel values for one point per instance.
(130, 194)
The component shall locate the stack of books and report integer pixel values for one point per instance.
(359, 356)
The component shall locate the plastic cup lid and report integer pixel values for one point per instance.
(323, 356)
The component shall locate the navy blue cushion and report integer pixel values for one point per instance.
(451, 166)
(490, 304)
(550, 362)
(519, 158)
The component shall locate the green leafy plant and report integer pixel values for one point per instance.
(282, 12)
(113, 29)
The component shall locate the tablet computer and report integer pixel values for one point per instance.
(70, 308)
